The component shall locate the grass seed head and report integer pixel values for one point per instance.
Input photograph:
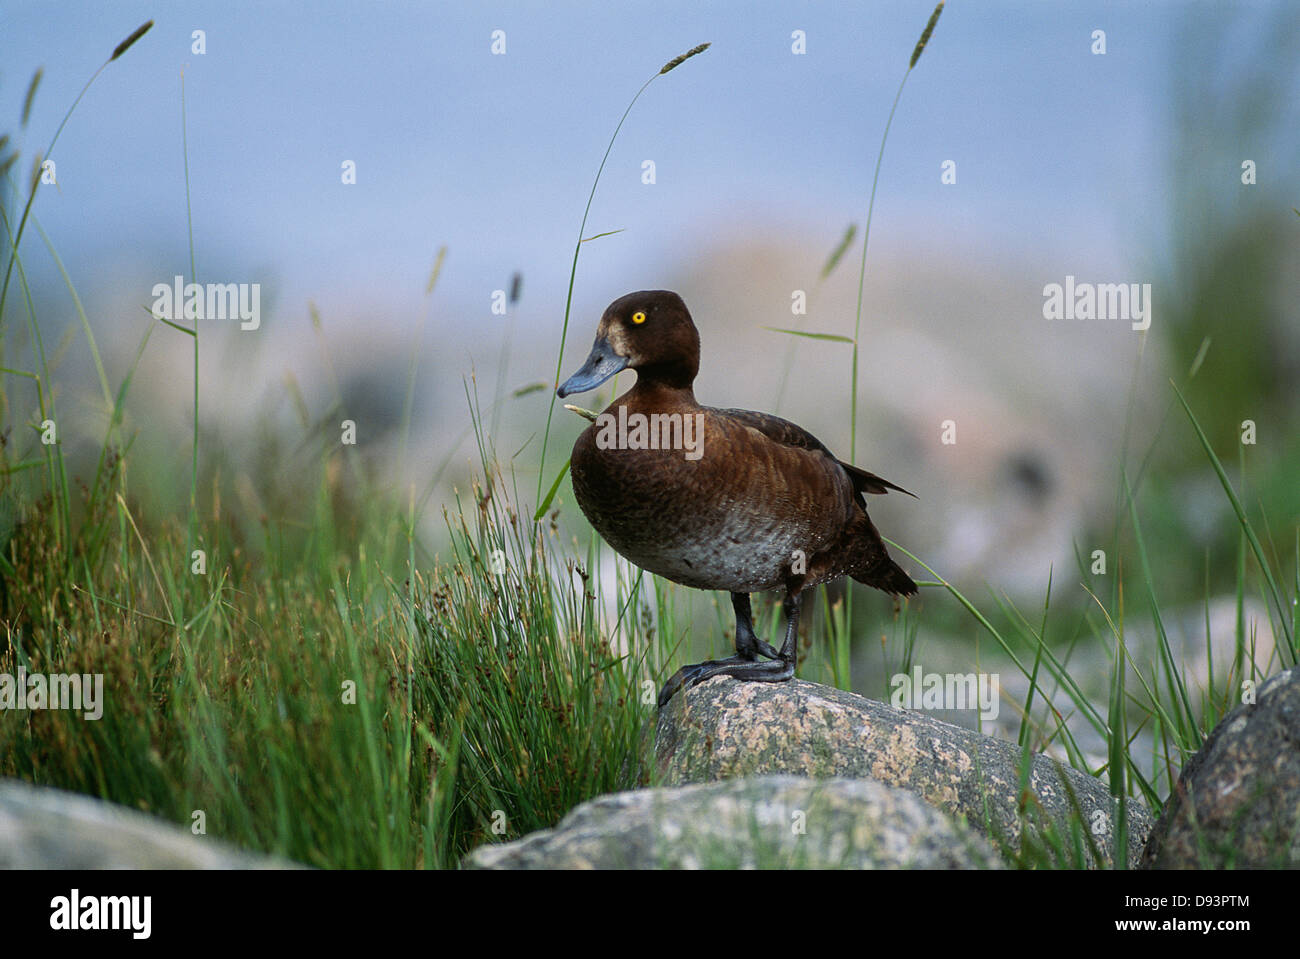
(925, 35)
(437, 269)
(679, 60)
(31, 95)
(125, 45)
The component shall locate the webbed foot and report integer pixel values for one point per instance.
(775, 671)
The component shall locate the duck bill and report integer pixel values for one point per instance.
(602, 363)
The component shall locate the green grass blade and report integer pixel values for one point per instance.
(832, 337)
(1265, 568)
(550, 495)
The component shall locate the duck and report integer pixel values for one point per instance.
(716, 499)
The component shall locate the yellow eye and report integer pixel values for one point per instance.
(638, 317)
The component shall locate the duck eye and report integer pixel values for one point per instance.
(638, 317)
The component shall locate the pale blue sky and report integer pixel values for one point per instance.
(493, 156)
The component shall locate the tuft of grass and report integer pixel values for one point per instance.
(321, 706)
(548, 711)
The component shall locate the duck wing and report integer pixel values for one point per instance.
(791, 434)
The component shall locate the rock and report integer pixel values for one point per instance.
(726, 729)
(44, 828)
(765, 822)
(1237, 802)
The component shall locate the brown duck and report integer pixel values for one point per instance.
(716, 498)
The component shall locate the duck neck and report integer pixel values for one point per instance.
(660, 393)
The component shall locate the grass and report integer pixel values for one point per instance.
(333, 690)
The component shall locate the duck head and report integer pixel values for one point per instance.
(650, 332)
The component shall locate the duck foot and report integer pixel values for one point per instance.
(745, 664)
(775, 671)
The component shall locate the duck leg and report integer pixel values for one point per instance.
(745, 664)
(749, 646)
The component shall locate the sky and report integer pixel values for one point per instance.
(493, 155)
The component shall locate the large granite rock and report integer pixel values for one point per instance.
(44, 828)
(725, 729)
(1237, 802)
(766, 822)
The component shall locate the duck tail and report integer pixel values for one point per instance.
(888, 576)
(873, 566)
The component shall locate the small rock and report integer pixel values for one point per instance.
(45, 828)
(726, 729)
(1237, 802)
(767, 822)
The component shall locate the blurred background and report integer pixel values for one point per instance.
(1117, 167)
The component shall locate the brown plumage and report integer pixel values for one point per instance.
(716, 498)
